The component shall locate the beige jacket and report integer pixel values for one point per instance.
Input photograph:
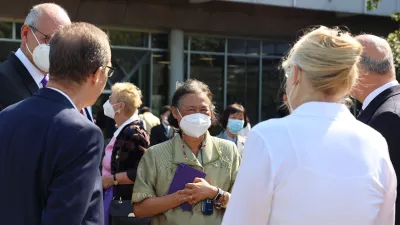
(150, 121)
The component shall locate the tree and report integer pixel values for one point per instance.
(393, 38)
(372, 4)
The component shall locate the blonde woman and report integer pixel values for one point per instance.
(126, 148)
(318, 165)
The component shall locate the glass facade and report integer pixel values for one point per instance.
(238, 71)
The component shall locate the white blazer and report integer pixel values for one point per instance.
(317, 166)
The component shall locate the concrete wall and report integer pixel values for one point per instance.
(386, 8)
(217, 17)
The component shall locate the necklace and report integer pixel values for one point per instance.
(184, 152)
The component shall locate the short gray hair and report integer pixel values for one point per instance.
(377, 66)
(32, 19)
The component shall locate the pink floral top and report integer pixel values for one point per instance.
(107, 157)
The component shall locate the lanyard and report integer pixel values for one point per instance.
(201, 155)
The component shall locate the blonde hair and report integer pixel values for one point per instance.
(129, 94)
(328, 58)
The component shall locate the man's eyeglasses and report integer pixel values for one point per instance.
(111, 71)
(46, 37)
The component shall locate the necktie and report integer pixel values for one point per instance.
(44, 81)
(361, 111)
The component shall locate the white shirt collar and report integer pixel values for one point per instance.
(328, 110)
(128, 121)
(65, 95)
(376, 92)
(33, 71)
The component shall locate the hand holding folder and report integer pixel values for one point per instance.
(184, 174)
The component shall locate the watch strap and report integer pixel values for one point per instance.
(219, 194)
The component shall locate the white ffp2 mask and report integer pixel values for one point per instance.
(40, 55)
(195, 124)
(109, 109)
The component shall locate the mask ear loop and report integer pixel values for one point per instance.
(179, 113)
(26, 44)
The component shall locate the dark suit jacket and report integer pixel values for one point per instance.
(49, 160)
(383, 114)
(130, 145)
(16, 83)
(159, 135)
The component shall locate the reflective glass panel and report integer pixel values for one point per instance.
(160, 81)
(210, 70)
(243, 84)
(128, 38)
(6, 30)
(272, 82)
(207, 44)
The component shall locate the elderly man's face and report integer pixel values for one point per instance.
(49, 22)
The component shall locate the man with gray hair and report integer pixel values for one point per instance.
(379, 93)
(50, 154)
(25, 71)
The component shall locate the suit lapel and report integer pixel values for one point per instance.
(88, 115)
(367, 114)
(26, 77)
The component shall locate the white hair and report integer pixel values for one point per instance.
(32, 19)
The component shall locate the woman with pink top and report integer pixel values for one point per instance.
(124, 151)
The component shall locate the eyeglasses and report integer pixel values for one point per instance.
(46, 37)
(111, 71)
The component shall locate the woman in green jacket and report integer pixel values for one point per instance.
(191, 112)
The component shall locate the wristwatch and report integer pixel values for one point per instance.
(115, 179)
(218, 195)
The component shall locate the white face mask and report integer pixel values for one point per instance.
(195, 125)
(109, 109)
(40, 55)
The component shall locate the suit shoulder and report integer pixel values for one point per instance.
(71, 120)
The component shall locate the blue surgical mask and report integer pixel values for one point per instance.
(234, 126)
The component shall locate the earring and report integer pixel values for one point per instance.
(119, 111)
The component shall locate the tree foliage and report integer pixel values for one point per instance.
(372, 4)
(394, 37)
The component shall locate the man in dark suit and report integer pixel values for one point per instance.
(25, 71)
(21, 75)
(50, 153)
(379, 93)
(162, 132)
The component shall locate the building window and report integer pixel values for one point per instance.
(209, 68)
(238, 71)
(128, 38)
(242, 84)
(142, 59)
(6, 30)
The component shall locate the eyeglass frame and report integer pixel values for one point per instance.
(46, 37)
(110, 72)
